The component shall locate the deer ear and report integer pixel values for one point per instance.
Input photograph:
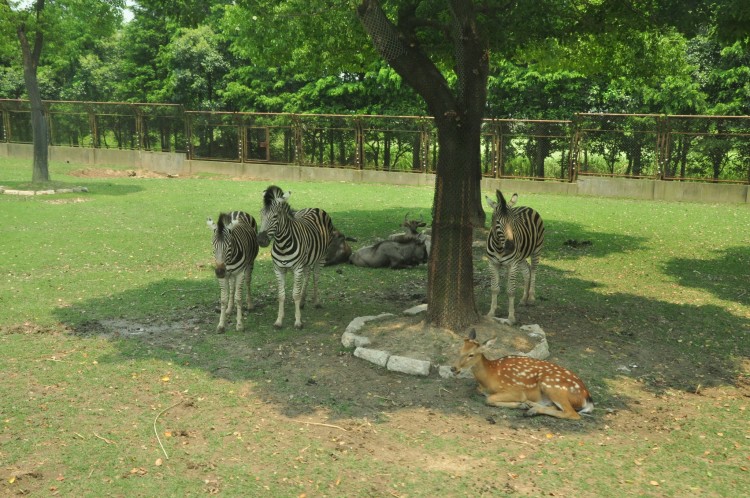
(473, 334)
(489, 342)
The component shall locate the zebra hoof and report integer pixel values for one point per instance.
(277, 325)
(299, 326)
(220, 329)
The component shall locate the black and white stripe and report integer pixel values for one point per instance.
(235, 246)
(300, 240)
(516, 234)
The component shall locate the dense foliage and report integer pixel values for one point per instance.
(239, 56)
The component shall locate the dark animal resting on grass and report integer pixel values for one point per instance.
(391, 254)
(338, 250)
(235, 249)
(539, 387)
(300, 240)
(516, 234)
(411, 232)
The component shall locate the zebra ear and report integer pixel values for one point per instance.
(490, 202)
(287, 195)
(513, 200)
(501, 199)
(210, 223)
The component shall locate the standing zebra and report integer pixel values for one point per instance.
(300, 240)
(235, 245)
(517, 233)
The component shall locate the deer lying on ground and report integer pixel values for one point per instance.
(540, 387)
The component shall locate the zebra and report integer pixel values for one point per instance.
(300, 240)
(235, 244)
(517, 233)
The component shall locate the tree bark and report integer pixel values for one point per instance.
(38, 121)
(457, 207)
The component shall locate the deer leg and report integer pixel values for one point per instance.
(558, 405)
(506, 400)
(566, 411)
(281, 284)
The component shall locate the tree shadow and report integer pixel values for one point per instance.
(304, 372)
(726, 275)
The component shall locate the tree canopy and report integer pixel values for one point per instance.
(314, 56)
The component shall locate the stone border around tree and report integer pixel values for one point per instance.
(9, 191)
(351, 338)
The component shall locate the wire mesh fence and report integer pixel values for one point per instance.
(696, 148)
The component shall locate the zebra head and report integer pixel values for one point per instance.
(501, 226)
(221, 241)
(275, 204)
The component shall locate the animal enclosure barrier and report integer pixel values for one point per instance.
(655, 146)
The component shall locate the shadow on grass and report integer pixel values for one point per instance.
(664, 345)
(726, 276)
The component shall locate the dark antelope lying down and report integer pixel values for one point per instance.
(391, 254)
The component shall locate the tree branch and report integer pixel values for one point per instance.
(403, 53)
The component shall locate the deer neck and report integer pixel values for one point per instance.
(482, 370)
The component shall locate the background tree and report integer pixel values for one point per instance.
(64, 27)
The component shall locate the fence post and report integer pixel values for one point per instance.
(299, 151)
(359, 143)
(241, 135)
(575, 148)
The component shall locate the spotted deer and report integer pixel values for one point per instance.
(540, 387)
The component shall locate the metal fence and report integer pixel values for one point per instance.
(697, 148)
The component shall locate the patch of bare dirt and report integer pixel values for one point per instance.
(118, 173)
(411, 336)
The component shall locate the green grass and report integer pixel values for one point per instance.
(663, 286)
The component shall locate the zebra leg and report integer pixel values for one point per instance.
(223, 285)
(305, 283)
(248, 281)
(532, 278)
(512, 270)
(238, 279)
(281, 284)
(298, 292)
(524, 267)
(495, 288)
(315, 274)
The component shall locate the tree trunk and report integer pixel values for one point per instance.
(450, 284)
(458, 117)
(38, 121)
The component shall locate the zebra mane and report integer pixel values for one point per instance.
(272, 194)
(224, 220)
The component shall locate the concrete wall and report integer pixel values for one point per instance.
(177, 164)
